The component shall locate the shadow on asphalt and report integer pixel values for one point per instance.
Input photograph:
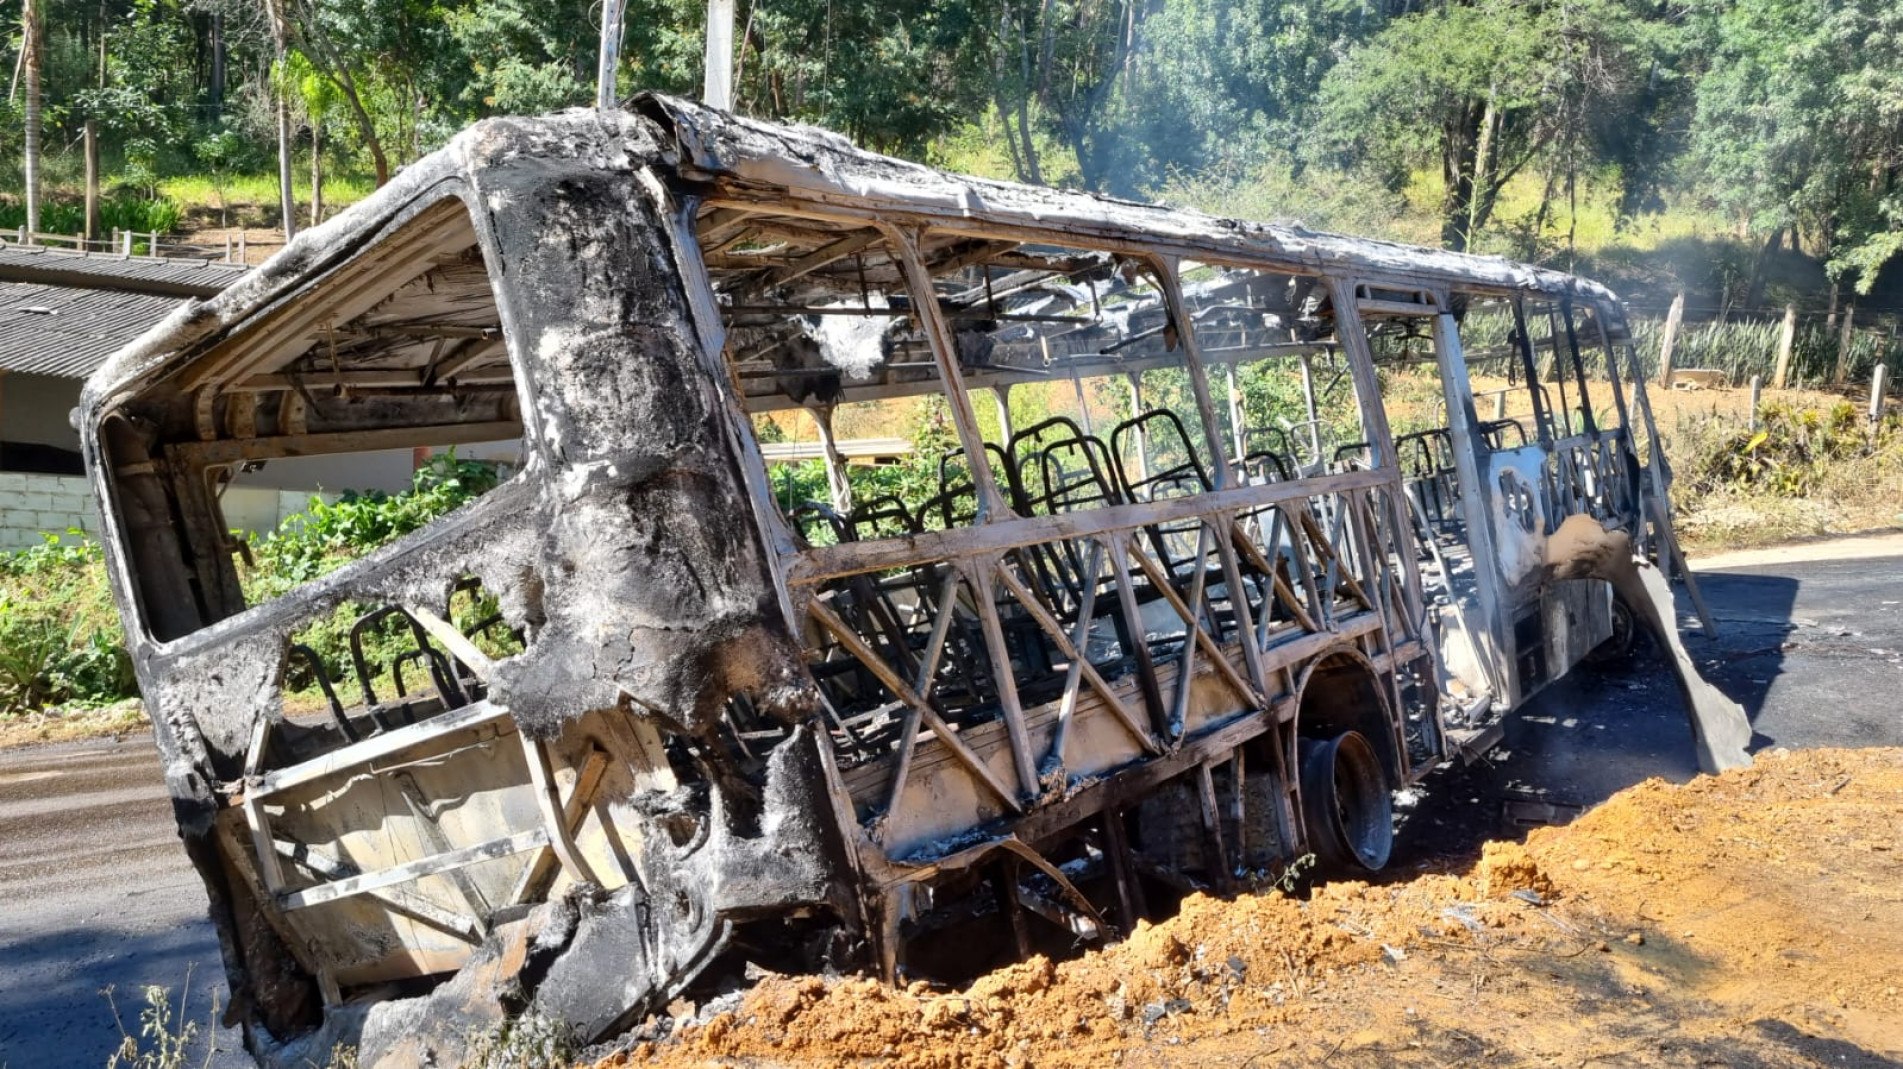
(55, 1014)
(1601, 729)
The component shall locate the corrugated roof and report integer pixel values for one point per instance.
(63, 314)
(59, 330)
(158, 276)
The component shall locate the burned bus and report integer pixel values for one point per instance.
(637, 719)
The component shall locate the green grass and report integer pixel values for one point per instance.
(261, 190)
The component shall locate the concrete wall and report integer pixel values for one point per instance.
(30, 504)
(38, 409)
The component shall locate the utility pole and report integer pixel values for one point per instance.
(30, 63)
(717, 92)
(611, 16)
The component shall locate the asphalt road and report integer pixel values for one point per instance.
(95, 891)
(1813, 650)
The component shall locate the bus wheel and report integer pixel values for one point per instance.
(1345, 803)
(1623, 644)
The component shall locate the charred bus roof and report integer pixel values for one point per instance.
(787, 164)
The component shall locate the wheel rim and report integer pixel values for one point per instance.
(1345, 802)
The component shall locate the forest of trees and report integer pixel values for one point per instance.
(1779, 120)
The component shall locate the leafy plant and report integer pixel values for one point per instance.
(60, 637)
(328, 535)
(1790, 451)
(165, 1038)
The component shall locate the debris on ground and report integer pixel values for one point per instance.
(1749, 919)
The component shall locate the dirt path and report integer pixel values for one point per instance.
(1752, 919)
(1853, 547)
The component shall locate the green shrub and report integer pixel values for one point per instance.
(141, 214)
(61, 642)
(124, 211)
(328, 535)
(1790, 451)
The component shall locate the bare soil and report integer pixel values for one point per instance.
(1748, 919)
(69, 724)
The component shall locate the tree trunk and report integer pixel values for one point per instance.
(30, 64)
(1459, 140)
(317, 170)
(1483, 153)
(217, 91)
(1754, 292)
(1032, 173)
(366, 129)
(1046, 51)
(280, 47)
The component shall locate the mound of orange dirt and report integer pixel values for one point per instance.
(1749, 919)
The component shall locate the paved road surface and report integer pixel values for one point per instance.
(94, 889)
(1812, 649)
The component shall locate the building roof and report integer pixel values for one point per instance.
(158, 276)
(62, 313)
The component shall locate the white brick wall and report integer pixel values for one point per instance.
(30, 504)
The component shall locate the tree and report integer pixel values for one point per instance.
(1799, 123)
(892, 76)
(1086, 51)
(349, 43)
(1480, 92)
(1226, 83)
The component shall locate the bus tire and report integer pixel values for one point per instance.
(1624, 645)
(1346, 807)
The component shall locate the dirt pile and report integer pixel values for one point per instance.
(1749, 919)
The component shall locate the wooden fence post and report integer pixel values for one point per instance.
(1757, 389)
(1876, 393)
(91, 135)
(1669, 340)
(1786, 340)
(1843, 346)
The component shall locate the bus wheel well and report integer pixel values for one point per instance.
(1341, 691)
